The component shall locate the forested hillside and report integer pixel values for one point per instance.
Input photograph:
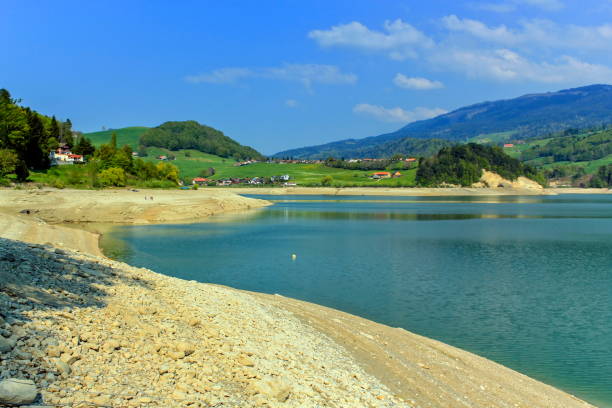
(571, 146)
(26, 137)
(463, 165)
(192, 135)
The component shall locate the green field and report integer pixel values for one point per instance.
(125, 136)
(192, 162)
(493, 137)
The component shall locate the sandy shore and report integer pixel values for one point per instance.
(131, 337)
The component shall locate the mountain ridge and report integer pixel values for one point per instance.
(524, 117)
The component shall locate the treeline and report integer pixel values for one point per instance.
(192, 135)
(27, 137)
(463, 165)
(573, 147)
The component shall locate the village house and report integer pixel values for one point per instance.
(200, 181)
(506, 145)
(397, 174)
(62, 155)
(381, 175)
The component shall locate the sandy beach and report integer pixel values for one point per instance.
(88, 330)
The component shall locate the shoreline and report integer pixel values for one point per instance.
(402, 191)
(403, 368)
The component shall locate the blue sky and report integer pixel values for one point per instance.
(283, 74)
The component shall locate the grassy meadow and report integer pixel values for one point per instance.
(191, 163)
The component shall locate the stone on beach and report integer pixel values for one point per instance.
(14, 391)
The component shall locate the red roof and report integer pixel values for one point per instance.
(382, 173)
(200, 179)
(508, 145)
(75, 156)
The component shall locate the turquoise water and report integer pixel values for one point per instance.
(524, 281)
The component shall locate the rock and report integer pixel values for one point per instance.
(275, 388)
(14, 391)
(53, 351)
(62, 366)
(245, 361)
(70, 359)
(60, 251)
(176, 355)
(6, 345)
(185, 348)
(111, 345)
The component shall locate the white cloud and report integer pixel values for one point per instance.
(551, 5)
(397, 114)
(221, 76)
(480, 30)
(399, 40)
(535, 34)
(506, 65)
(421, 84)
(512, 5)
(291, 103)
(307, 74)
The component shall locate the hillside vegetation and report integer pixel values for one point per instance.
(26, 137)
(192, 135)
(125, 136)
(525, 117)
(463, 165)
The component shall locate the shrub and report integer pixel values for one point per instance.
(113, 176)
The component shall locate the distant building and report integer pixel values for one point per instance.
(397, 174)
(62, 155)
(508, 145)
(200, 181)
(381, 175)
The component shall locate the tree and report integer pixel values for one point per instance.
(113, 142)
(8, 162)
(54, 130)
(112, 176)
(36, 153)
(327, 180)
(66, 131)
(84, 147)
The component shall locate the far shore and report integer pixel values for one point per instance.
(415, 370)
(408, 191)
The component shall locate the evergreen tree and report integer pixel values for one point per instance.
(84, 147)
(36, 152)
(54, 130)
(113, 142)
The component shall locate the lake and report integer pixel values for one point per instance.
(523, 280)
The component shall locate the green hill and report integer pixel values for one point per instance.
(192, 135)
(125, 136)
